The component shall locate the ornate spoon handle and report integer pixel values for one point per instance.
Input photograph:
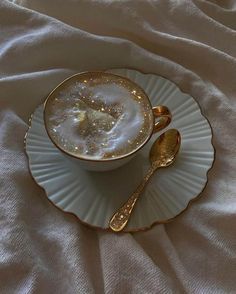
(121, 217)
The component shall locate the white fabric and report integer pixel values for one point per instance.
(193, 43)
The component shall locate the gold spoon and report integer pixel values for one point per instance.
(162, 154)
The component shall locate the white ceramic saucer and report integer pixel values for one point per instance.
(93, 197)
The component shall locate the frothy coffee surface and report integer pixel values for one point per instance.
(98, 116)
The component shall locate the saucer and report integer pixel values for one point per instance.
(94, 197)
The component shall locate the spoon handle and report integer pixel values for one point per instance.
(121, 217)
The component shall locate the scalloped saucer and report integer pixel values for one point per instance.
(94, 197)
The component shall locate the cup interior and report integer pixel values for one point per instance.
(80, 87)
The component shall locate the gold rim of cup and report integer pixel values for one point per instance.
(159, 112)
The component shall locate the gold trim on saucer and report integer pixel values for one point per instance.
(156, 222)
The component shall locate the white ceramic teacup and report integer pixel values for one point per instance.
(101, 120)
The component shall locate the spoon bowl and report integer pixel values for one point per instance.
(164, 150)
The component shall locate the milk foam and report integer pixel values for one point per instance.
(98, 121)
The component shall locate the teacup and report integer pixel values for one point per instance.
(101, 120)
